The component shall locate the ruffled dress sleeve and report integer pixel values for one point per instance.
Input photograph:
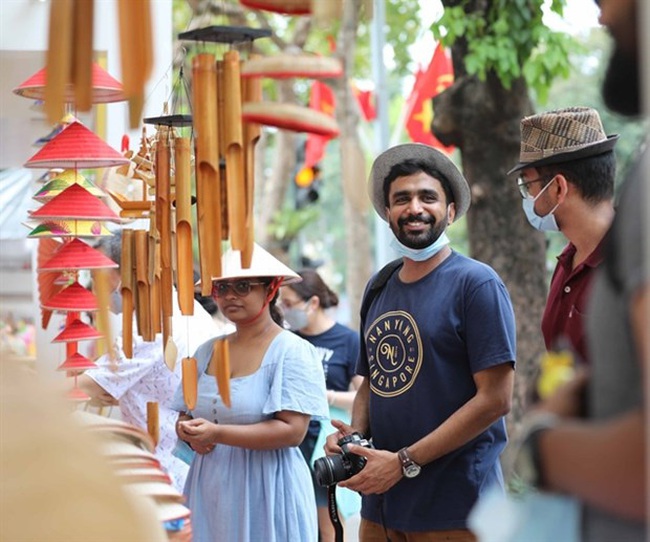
(297, 379)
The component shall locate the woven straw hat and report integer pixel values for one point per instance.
(560, 136)
(422, 153)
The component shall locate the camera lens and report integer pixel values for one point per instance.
(330, 470)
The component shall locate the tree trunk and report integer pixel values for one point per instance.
(482, 119)
(274, 189)
(353, 169)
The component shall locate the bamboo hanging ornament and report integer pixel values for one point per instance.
(234, 151)
(143, 307)
(82, 64)
(189, 377)
(127, 291)
(154, 271)
(204, 90)
(252, 92)
(164, 228)
(136, 53)
(153, 423)
(221, 365)
(184, 258)
(58, 58)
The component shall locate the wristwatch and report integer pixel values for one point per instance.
(527, 464)
(410, 469)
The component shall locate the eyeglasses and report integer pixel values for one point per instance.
(287, 304)
(523, 185)
(240, 288)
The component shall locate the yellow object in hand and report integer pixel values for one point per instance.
(556, 369)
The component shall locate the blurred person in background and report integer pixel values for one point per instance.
(598, 454)
(306, 306)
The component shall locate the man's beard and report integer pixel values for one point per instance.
(621, 87)
(421, 239)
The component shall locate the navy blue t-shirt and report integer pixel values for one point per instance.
(339, 350)
(423, 341)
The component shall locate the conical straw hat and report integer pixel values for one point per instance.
(76, 147)
(76, 254)
(263, 264)
(105, 88)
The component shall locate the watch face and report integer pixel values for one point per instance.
(412, 470)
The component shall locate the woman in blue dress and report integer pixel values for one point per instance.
(248, 480)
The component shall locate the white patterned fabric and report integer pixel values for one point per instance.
(146, 377)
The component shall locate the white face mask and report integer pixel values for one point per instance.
(420, 254)
(296, 318)
(541, 223)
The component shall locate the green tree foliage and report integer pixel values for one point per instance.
(510, 38)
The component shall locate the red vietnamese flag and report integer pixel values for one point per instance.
(419, 109)
(321, 98)
(365, 99)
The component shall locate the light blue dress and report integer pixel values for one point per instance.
(242, 495)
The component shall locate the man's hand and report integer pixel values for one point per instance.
(568, 400)
(382, 471)
(331, 447)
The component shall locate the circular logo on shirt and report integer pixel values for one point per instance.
(394, 353)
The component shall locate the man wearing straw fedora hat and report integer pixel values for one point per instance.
(566, 179)
(437, 357)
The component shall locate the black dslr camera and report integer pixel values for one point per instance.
(330, 470)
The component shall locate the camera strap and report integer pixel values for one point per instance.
(334, 513)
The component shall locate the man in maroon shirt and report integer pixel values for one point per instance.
(566, 179)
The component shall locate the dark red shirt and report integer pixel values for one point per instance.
(563, 320)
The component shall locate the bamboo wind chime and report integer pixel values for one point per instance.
(224, 147)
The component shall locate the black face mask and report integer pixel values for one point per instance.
(622, 84)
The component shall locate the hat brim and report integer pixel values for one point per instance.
(592, 150)
(263, 264)
(421, 153)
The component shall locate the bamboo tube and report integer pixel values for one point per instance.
(58, 58)
(204, 97)
(221, 364)
(234, 151)
(203, 236)
(83, 54)
(136, 53)
(154, 279)
(126, 276)
(222, 211)
(189, 378)
(102, 292)
(251, 92)
(143, 308)
(163, 224)
(153, 423)
(184, 258)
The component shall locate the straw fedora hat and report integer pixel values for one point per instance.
(562, 135)
(263, 264)
(421, 153)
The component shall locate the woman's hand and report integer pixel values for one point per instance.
(199, 433)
